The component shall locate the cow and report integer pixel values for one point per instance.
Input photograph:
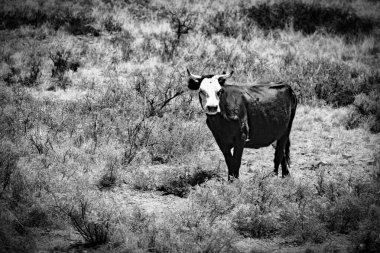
(241, 117)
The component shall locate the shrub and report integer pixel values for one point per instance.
(37, 217)
(229, 23)
(94, 233)
(367, 238)
(124, 41)
(13, 237)
(251, 222)
(182, 22)
(111, 25)
(61, 64)
(179, 182)
(108, 180)
(143, 181)
(344, 215)
(27, 71)
(308, 18)
(8, 159)
(75, 22)
(34, 64)
(368, 105)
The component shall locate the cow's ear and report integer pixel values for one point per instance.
(193, 84)
(222, 78)
(222, 81)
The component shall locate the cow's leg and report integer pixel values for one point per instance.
(279, 155)
(229, 161)
(286, 159)
(236, 158)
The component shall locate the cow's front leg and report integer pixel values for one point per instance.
(236, 157)
(230, 163)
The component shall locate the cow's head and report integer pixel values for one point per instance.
(210, 89)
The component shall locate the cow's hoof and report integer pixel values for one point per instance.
(285, 175)
(274, 173)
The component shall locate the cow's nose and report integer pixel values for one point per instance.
(212, 108)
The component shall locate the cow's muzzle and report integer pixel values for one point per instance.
(211, 109)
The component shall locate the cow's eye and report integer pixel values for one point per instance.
(220, 92)
(202, 92)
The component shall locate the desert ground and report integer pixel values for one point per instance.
(105, 149)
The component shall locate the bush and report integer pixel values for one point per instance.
(251, 222)
(37, 217)
(367, 238)
(229, 23)
(8, 167)
(368, 105)
(61, 64)
(179, 182)
(344, 215)
(74, 21)
(93, 232)
(308, 18)
(111, 25)
(143, 181)
(27, 71)
(13, 237)
(124, 42)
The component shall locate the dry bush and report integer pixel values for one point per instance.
(76, 18)
(124, 41)
(62, 63)
(140, 232)
(109, 179)
(251, 222)
(8, 160)
(180, 181)
(111, 25)
(368, 106)
(26, 72)
(172, 139)
(366, 238)
(308, 18)
(143, 181)
(199, 230)
(93, 232)
(229, 23)
(13, 236)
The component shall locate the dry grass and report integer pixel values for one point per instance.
(121, 135)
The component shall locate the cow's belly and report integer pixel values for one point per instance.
(265, 136)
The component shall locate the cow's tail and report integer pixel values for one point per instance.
(292, 115)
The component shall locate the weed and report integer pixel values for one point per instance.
(62, 63)
(94, 233)
(251, 222)
(111, 25)
(142, 181)
(108, 180)
(37, 217)
(179, 182)
(229, 23)
(8, 159)
(344, 216)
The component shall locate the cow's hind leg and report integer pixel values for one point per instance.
(280, 156)
(286, 159)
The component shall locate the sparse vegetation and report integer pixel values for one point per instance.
(101, 140)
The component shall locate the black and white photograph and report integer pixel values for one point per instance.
(181, 126)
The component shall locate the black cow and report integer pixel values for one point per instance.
(247, 117)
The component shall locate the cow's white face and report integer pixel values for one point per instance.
(210, 91)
